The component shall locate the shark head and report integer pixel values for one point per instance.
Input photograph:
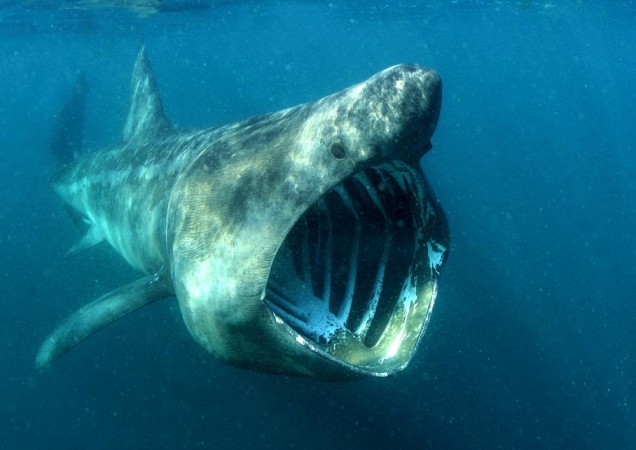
(308, 241)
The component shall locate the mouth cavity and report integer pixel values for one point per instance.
(349, 278)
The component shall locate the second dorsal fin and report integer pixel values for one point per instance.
(146, 118)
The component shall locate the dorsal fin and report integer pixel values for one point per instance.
(145, 117)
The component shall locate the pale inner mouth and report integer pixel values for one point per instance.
(348, 263)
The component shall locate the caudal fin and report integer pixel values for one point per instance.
(66, 144)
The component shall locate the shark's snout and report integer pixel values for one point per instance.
(413, 100)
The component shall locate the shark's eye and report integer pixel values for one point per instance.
(337, 150)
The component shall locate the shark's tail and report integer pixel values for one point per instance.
(66, 144)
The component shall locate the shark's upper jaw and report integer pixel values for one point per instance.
(356, 277)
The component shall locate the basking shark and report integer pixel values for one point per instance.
(306, 241)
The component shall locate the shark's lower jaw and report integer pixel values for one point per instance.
(356, 277)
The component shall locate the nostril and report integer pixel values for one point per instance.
(338, 150)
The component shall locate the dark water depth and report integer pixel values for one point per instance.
(532, 343)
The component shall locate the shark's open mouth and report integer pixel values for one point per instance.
(356, 276)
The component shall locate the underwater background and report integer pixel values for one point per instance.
(532, 341)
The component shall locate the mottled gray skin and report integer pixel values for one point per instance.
(204, 212)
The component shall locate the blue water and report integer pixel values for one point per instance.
(533, 340)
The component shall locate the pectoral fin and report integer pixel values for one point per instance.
(101, 312)
(92, 237)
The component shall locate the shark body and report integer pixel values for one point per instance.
(305, 241)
